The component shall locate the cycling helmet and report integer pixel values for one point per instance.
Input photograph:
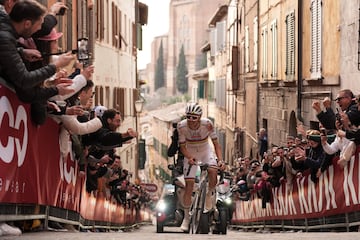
(193, 108)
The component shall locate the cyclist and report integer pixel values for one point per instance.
(194, 134)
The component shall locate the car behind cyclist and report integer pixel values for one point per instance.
(194, 134)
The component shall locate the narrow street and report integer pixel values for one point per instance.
(148, 232)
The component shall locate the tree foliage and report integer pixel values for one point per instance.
(181, 72)
(159, 69)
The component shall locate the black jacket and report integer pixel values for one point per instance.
(328, 118)
(12, 67)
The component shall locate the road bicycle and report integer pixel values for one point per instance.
(199, 219)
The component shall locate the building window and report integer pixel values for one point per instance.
(274, 48)
(290, 46)
(316, 34)
(264, 53)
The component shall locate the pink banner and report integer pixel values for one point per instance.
(336, 192)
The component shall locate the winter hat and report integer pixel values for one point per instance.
(52, 36)
(99, 110)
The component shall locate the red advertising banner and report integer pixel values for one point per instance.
(336, 192)
(31, 170)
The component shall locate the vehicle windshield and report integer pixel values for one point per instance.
(168, 189)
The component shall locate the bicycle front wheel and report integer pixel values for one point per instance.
(199, 222)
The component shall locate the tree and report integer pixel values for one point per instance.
(181, 72)
(159, 70)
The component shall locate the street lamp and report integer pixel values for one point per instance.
(139, 104)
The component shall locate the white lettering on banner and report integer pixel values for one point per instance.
(68, 198)
(348, 185)
(7, 152)
(329, 189)
(9, 185)
(336, 189)
(283, 205)
(68, 176)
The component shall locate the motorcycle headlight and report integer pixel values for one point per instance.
(228, 201)
(161, 206)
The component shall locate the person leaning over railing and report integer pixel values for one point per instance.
(24, 19)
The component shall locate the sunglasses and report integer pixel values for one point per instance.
(339, 98)
(193, 118)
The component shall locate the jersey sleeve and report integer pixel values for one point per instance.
(181, 128)
(212, 133)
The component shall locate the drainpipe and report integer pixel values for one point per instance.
(257, 72)
(299, 75)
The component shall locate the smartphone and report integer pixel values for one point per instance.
(61, 11)
(338, 117)
(323, 131)
(83, 50)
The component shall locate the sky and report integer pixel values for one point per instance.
(158, 24)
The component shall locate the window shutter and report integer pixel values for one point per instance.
(255, 50)
(290, 46)
(264, 53)
(274, 42)
(247, 69)
(213, 43)
(316, 33)
(235, 67)
(221, 31)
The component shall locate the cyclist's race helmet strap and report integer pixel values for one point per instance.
(193, 109)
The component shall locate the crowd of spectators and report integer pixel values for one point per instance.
(310, 151)
(58, 85)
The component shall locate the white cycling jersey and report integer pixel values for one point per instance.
(197, 143)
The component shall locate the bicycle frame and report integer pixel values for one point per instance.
(199, 221)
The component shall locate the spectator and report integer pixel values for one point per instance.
(118, 182)
(290, 141)
(107, 138)
(345, 146)
(262, 142)
(345, 100)
(275, 167)
(24, 19)
(315, 157)
(293, 167)
(96, 169)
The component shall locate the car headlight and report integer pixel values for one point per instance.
(161, 206)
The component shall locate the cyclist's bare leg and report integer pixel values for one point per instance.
(210, 196)
(212, 173)
(189, 186)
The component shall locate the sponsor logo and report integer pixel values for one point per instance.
(16, 141)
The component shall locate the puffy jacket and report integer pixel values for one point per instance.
(12, 67)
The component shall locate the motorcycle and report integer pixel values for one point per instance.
(169, 209)
(224, 205)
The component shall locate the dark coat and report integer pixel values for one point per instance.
(328, 118)
(12, 67)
